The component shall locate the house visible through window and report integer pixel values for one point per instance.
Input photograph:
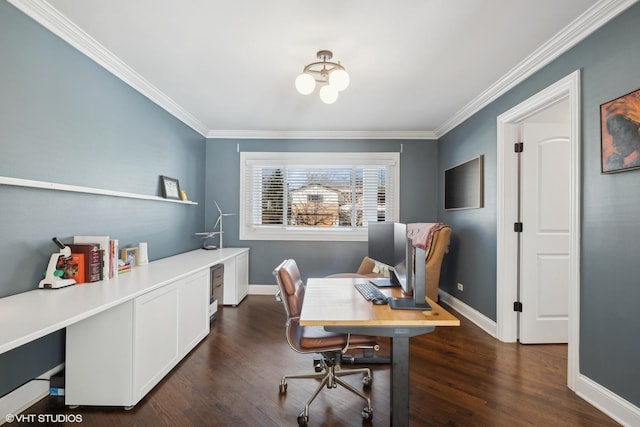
(316, 196)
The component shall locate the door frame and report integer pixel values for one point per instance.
(567, 88)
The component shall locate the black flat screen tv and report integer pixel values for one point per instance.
(463, 185)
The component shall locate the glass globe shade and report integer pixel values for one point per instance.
(305, 83)
(339, 79)
(328, 94)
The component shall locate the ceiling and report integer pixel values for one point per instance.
(227, 69)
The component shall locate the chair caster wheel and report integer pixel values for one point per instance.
(366, 380)
(302, 419)
(317, 364)
(367, 414)
(283, 388)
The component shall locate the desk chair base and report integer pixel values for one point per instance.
(329, 375)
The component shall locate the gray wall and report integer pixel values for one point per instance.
(609, 61)
(65, 119)
(418, 188)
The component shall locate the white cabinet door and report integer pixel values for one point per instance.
(98, 365)
(193, 321)
(155, 337)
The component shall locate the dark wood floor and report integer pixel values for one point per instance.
(458, 377)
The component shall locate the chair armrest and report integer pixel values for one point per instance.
(366, 266)
(365, 270)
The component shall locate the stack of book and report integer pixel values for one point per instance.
(95, 258)
(97, 249)
(124, 267)
(88, 258)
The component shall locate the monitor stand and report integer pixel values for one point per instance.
(408, 304)
(418, 302)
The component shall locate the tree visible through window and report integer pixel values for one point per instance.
(285, 192)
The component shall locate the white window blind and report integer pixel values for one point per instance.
(316, 196)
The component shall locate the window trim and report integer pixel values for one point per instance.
(288, 233)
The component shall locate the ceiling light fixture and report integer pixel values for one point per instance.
(330, 74)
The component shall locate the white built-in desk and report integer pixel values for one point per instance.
(123, 335)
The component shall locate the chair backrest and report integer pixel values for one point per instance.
(292, 290)
(439, 246)
(291, 287)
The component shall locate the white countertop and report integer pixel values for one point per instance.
(30, 315)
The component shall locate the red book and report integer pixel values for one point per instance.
(74, 268)
(92, 260)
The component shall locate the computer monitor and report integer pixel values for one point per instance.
(401, 271)
(387, 245)
(381, 238)
(411, 279)
(390, 245)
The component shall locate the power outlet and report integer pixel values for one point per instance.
(460, 287)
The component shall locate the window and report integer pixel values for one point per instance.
(316, 196)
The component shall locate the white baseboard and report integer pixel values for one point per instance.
(622, 411)
(263, 289)
(598, 396)
(26, 395)
(482, 321)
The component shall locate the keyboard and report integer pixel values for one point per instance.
(369, 292)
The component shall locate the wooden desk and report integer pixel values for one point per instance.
(336, 305)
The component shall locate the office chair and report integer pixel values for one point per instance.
(310, 339)
(438, 247)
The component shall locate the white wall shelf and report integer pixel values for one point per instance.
(19, 182)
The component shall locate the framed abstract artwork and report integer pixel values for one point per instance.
(620, 133)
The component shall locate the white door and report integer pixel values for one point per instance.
(545, 240)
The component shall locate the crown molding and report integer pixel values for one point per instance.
(592, 19)
(284, 134)
(50, 18)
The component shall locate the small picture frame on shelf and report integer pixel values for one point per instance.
(170, 187)
(129, 256)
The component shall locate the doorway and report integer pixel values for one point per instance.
(508, 128)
